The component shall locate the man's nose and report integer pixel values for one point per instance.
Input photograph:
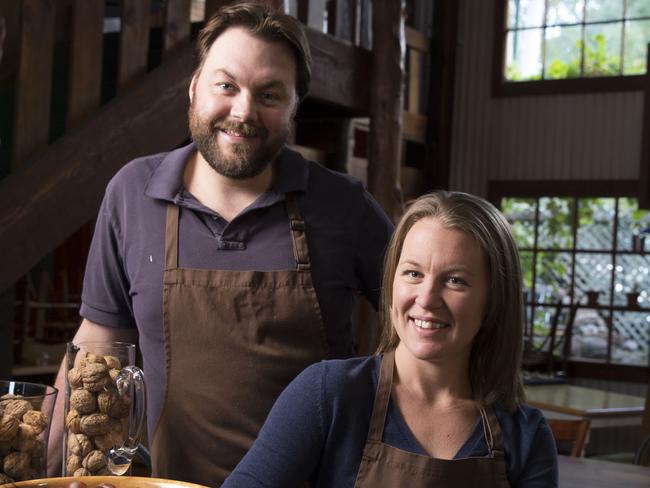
(243, 107)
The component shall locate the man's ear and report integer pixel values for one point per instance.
(192, 88)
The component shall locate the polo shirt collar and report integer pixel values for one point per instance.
(166, 182)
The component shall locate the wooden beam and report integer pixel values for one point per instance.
(387, 75)
(134, 40)
(177, 23)
(414, 127)
(343, 20)
(34, 82)
(312, 13)
(338, 72)
(417, 40)
(85, 59)
(644, 163)
(60, 190)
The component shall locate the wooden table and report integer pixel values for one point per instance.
(603, 408)
(592, 473)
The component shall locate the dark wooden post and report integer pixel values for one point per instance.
(177, 23)
(644, 164)
(386, 104)
(134, 40)
(441, 99)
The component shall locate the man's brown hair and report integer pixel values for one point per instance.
(264, 22)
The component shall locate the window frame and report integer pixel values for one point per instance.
(497, 190)
(503, 88)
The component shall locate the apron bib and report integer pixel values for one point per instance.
(233, 341)
(384, 466)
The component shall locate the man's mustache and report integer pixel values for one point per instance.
(243, 128)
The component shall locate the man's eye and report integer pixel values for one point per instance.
(226, 86)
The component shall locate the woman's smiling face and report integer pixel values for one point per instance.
(440, 292)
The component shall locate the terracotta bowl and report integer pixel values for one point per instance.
(92, 481)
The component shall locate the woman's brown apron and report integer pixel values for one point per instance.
(383, 466)
(233, 341)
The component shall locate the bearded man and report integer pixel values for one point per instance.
(233, 261)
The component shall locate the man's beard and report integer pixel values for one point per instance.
(242, 160)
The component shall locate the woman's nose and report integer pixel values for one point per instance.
(429, 295)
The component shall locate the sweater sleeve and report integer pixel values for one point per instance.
(288, 447)
(541, 468)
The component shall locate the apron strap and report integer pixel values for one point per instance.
(171, 237)
(298, 235)
(492, 431)
(382, 396)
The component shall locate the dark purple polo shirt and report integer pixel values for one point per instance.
(347, 233)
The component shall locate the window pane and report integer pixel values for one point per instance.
(603, 49)
(593, 273)
(630, 338)
(631, 221)
(555, 229)
(563, 48)
(526, 259)
(632, 275)
(521, 215)
(590, 334)
(565, 11)
(524, 55)
(544, 318)
(553, 278)
(596, 223)
(637, 37)
(525, 13)
(604, 10)
(638, 8)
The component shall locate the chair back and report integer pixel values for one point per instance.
(574, 431)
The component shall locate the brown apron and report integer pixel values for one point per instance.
(233, 341)
(384, 466)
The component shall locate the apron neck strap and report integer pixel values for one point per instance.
(382, 396)
(171, 237)
(492, 431)
(298, 235)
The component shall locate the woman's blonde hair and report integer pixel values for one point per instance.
(495, 358)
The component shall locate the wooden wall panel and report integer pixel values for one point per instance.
(564, 137)
(177, 23)
(32, 105)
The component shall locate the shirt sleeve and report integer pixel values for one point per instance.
(374, 232)
(288, 447)
(541, 467)
(105, 298)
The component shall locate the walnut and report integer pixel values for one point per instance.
(95, 424)
(73, 422)
(9, 396)
(89, 358)
(36, 419)
(26, 440)
(108, 441)
(72, 464)
(95, 376)
(5, 479)
(5, 448)
(111, 403)
(74, 378)
(8, 427)
(83, 401)
(114, 373)
(79, 444)
(17, 407)
(82, 472)
(112, 362)
(16, 465)
(94, 461)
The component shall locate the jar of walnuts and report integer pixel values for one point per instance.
(25, 413)
(105, 403)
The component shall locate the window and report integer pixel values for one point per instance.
(561, 40)
(588, 258)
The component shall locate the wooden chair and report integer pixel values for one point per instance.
(574, 431)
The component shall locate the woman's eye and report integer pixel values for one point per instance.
(412, 274)
(455, 280)
(269, 97)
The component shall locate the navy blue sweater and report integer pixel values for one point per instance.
(318, 427)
